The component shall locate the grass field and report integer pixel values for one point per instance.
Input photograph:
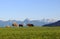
(30, 33)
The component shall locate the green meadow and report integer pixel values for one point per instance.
(30, 33)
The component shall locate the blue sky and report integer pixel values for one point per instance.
(32, 9)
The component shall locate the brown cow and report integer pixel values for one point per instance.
(20, 25)
(15, 24)
(30, 25)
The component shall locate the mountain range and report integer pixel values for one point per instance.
(27, 21)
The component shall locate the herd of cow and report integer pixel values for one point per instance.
(21, 25)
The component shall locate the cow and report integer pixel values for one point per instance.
(7, 26)
(20, 25)
(30, 25)
(15, 24)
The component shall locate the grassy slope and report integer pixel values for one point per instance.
(30, 33)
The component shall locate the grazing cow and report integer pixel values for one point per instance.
(15, 24)
(30, 25)
(20, 25)
(7, 26)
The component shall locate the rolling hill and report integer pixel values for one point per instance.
(53, 24)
